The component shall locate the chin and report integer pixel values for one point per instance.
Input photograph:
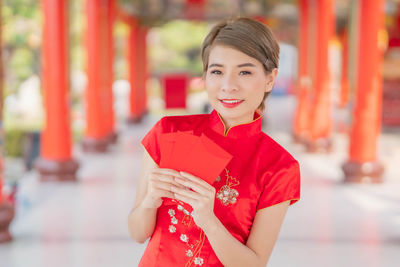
(230, 113)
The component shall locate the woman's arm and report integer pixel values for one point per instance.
(154, 183)
(229, 250)
(262, 238)
(142, 217)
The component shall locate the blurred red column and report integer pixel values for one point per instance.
(55, 161)
(99, 111)
(362, 165)
(144, 67)
(344, 81)
(138, 73)
(7, 213)
(194, 9)
(175, 90)
(301, 120)
(6, 208)
(321, 119)
(134, 110)
(111, 15)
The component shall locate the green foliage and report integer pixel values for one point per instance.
(176, 47)
(21, 37)
(13, 142)
(77, 28)
(121, 33)
(182, 35)
(23, 8)
(21, 62)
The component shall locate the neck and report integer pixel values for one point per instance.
(229, 123)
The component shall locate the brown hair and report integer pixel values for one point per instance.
(248, 36)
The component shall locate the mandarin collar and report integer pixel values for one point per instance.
(239, 131)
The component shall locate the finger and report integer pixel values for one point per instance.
(164, 193)
(161, 190)
(185, 199)
(166, 171)
(163, 185)
(195, 179)
(196, 187)
(165, 178)
(186, 193)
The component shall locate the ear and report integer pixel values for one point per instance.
(271, 79)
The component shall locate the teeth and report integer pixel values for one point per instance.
(231, 101)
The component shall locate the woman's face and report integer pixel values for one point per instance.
(236, 84)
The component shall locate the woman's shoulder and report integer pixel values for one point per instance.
(276, 152)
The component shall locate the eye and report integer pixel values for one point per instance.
(244, 72)
(215, 72)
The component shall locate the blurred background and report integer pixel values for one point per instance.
(82, 81)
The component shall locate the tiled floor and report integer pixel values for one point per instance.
(84, 224)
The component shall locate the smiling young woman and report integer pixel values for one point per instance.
(236, 220)
(236, 84)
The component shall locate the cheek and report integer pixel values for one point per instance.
(211, 87)
(256, 92)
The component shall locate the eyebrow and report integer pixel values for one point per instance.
(240, 65)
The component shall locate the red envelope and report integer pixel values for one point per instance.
(199, 156)
(167, 142)
(167, 145)
(202, 158)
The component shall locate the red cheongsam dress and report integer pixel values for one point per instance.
(260, 174)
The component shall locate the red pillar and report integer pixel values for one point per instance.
(133, 58)
(111, 14)
(362, 165)
(301, 120)
(320, 128)
(6, 208)
(194, 9)
(344, 81)
(55, 161)
(143, 61)
(99, 111)
(7, 213)
(137, 58)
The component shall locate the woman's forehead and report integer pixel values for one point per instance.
(220, 54)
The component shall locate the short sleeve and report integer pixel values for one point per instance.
(283, 185)
(151, 141)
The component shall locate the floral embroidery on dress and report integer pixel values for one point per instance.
(198, 261)
(189, 253)
(172, 229)
(194, 248)
(187, 218)
(171, 212)
(195, 258)
(184, 238)
(226, 194)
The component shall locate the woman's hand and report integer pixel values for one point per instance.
(160, 183)
(201, 198)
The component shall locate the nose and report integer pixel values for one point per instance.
(229, 83)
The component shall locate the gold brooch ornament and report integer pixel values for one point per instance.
(226, 194)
